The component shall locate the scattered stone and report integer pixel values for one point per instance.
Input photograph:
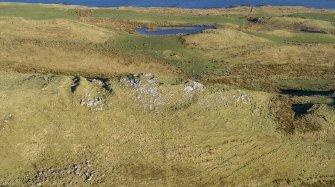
(76, 170)
(146, 90)
(96, 81)
(96, 103)
(256, 19)
(242, 98)
(89, 176)
(83, 170)
(96, 93)
(152, 81)
(149, 76)
(88, 163)
(8, 118)
(131, 81)
(192, 86)
(225, 99)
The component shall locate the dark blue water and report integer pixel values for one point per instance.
(301, 109)
(328, 4)
(173, 31)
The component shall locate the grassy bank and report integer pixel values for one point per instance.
(127, 143)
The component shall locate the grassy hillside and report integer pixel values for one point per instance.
(87, 101)
(317, 16)
(191, 139)
(127, 15)
(36, 12)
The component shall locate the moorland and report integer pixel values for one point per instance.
(86, 100)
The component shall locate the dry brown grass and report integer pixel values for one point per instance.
(123, 25)
(112, 24)
(63, 30)
(273, 10)
(322, 55)
(312, 55)
(277, 23)
(64, 46)
(237, 47)
(30, 57)
(281, 33)
(286, 22)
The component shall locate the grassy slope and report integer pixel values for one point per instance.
(317, 16)
(221, 136)
(127, 15)
(299, 38)
(127, 144)
(173, 51)
(191, 61)
(36, 12)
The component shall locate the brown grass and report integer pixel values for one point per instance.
(273, 10)
(62, 30)
(72, 60)
(299, 24)
(64, 46)
(311, 55)
(112, 24)
(267, 53)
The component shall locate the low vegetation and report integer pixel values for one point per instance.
(318, 16)
(85, 100)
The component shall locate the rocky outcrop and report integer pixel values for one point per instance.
(146, 90)
(92, 92)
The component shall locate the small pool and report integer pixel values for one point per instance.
(161, 31)
(301, 109)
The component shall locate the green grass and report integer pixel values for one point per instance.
(313, 38)
(318, 16)
(298, 38)
(220, 136)
(306, 84)
(166, 48)
(127, 144)
(275, 39)
(35, 12)
(129, 15)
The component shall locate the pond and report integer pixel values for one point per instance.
(161, 31)
(301, 109)
(333, 103)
